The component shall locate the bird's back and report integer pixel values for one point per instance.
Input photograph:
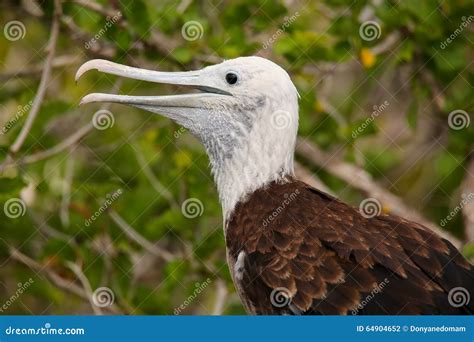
(295, 250)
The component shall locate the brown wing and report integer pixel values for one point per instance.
(308, 253)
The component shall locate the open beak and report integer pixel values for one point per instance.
(173, 106)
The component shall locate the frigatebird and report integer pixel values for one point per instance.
(292, 249)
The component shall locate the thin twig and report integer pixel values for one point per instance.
(94, 6)
(157, 40)
(56, 149)
(49, 231)
(56, 279)
(221, 297)
(66, 193)
(35, 70)
(76, 269)
(45, 77)
(387, 44)
(306, 176)
(468, 207)
(138, 238)
(331, 110)
(360, 179)
(160, 188)
(61, 146)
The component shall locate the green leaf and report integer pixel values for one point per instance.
(136, 13)
(182, 54)
(468, 251)
(412, 114)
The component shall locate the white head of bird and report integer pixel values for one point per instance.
(246, 116)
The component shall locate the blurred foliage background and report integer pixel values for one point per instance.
(378, 81)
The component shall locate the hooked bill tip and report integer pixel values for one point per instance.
(97, 64)
(83, 102)
(89, 98)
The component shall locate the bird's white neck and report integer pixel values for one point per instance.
(261, 157)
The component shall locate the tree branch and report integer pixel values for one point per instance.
(360, 179)
(37, 69)
(138, 238)
(56, 279)
(468, 208)
(66, 190)
(45, 77)
(221, 297)
(308, 177)
(67, 143)
(160, 188)
(76, 269)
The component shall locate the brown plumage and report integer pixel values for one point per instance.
(306, 252)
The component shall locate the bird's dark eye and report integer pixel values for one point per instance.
(231, 78)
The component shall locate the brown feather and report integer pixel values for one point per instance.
(330, 259)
